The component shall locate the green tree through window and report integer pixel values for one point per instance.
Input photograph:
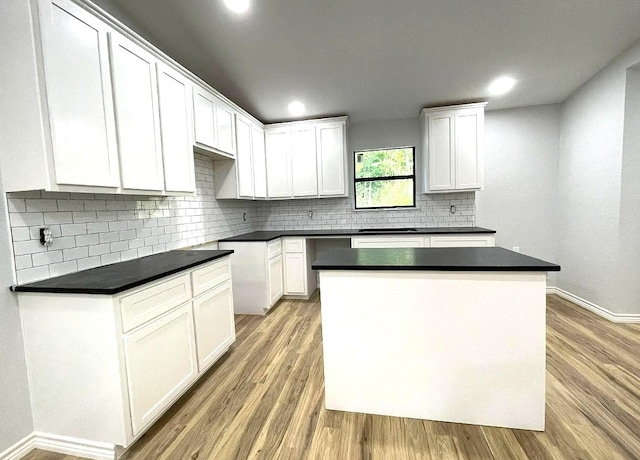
(384, 178)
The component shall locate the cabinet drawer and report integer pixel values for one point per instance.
(210, 276)
(388, 242)
(462, 241)
(274, 248)
(142, 306)
(296, 245)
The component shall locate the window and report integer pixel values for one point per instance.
(385, 178)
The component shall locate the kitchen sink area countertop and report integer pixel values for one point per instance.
(114, 278)
(269, 235)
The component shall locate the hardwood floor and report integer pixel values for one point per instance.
(264, 400)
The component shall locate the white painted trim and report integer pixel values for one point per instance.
(19, 449)
(597, 309)
(74, 446)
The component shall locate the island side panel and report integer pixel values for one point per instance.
(465, 347)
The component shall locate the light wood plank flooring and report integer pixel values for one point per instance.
(264, 400)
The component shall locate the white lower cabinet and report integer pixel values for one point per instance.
(103, 368)
(257, 274)
(215, 327)
(275, 280)
(422, 241)
(391, 241)
(160, 359)
(299, 278)
(459, 241)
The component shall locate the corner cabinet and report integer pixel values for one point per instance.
(104, 368)
(214, 124)
(243, 177)
(453, 148)
(306, 159)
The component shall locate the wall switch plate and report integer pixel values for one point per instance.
(46, 237)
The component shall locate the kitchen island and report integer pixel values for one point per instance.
(448, 334)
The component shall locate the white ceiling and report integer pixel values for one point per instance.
(385, 59)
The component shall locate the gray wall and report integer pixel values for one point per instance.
(15, 407)
(591, 193)
(521, 179)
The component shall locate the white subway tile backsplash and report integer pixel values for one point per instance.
(75, 253)
(58, 218)
(27, 247)
(32, 274)
(87, 240)
(46, 258)
(73, 229)
(39, 205)
(63, 268)
(23, 262)
(97, 229)
(99, 249)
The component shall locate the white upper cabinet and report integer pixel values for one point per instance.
(225, 128)
(137, 115)
(259, 162)
(80, 101)
(331, 151)
(277, 144)
(306, 159)
(304, 176)
(244, 161)
(204, 114)
(79, 96)
(175, 128)
(453, 143)
(215, 127)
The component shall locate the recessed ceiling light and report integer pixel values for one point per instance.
(501, 85)
(296, 108)
(237, 6)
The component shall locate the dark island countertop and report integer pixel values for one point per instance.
(118, 277)
(433, 259)
(273, 234)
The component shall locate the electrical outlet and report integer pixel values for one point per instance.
(452, 209)
(46, 237)
(516, 249)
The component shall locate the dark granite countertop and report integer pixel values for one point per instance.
(118, 277)
(273, 234)
(434, 259)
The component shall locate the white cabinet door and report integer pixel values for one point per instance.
(137, 116)
(469, 134)
(225, 128)
(204, 118)
(160, 360)
(215, 327)
(244, 162)
(330, 137)
(259, 162)
(79, 96)
(175, 128)
(295, 274)
(276, 287)
(304, 176)
(278, 164)
(441, 154)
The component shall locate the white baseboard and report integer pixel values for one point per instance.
(597, 309)
(74, 446)
(19, 449)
